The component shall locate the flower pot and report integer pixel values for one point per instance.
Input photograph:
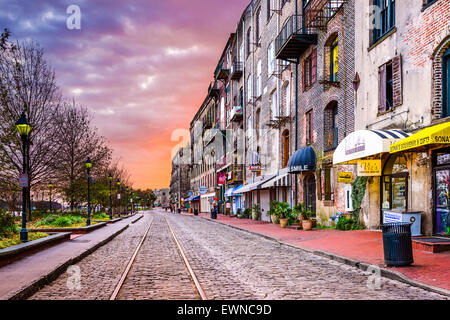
(255, 216)
(284, 223)
(275, 219)
(307, 225)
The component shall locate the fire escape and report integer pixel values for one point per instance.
(301, 31)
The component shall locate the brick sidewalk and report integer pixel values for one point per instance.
(364, 246)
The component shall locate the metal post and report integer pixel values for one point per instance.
(24, 231)
(88, 222)
(110, 200)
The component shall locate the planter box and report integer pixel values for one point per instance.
(14, 253)
(82, 230)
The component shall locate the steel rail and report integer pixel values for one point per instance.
(130, 264)
(198, 287)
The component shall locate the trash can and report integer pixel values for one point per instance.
(397, 244)
(213, 214)
(179, 210)
(195, 212)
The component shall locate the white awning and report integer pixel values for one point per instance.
(365, 143)
(209, 195)
(256, 185)
(283, 180)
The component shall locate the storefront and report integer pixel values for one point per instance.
(303, 162)
(364, 155)
(432, 186)
(234, 202)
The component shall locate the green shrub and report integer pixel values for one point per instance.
(100, 216)
(49, 220)
(7, 224)
(62, 222)
(346, 224)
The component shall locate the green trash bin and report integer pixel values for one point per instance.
(397, 244)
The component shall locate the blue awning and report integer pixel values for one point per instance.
(194, 198)
(236, 191)
(231, 192)
(303, 160)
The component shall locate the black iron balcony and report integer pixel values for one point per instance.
(293, 39)
(213, 89)
(237, 70)
(221, 72)
(331, 139)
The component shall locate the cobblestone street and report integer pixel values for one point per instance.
(229, 264)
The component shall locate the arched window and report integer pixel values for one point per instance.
(285, 158)
(331, 131)
(257, 123)
(445, 84)
(395, 184)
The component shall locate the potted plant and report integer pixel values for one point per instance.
(306, 216)
(256, 212)
(285, 213)
(274, 212)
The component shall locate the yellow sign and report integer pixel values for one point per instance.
(369, 168)
(345, 177)
(439, 134)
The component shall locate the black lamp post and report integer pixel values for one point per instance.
(110, 199)
(118, 194)
(127, 200)
(88, 167)
(24, 130)
(50, 186)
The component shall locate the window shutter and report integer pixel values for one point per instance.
(314, 66)
(382, 89)
(397, 81)
(303, 76)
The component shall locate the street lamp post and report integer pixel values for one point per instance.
(88, 167)
(50, 186)
(118, 194)
(24, 130)
(110, 199)
(127, 200)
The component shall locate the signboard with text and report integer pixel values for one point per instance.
(369, 168)
(345, 177)
(23, 180)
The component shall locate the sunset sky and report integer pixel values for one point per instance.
(142, 66)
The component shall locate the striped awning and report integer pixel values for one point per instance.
(365, 143)
(283, 180)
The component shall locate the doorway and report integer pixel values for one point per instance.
(309, 187)
(441, 189)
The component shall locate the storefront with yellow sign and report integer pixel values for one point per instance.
(425, 186)
(364, 155)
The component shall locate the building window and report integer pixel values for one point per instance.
(331, 133)
(310, 70)
(257, 123)
(274, 98)
(271, 59)
(249, 39)
(285, 149)
(395, 184)
(384, 19)
(257, 25)
(334, 60)
(390, 85)
(286, 100)
(259, 79)
(329, 185)
(445, 84)
(249, 89)
(309, 127)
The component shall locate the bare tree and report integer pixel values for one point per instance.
(27, 84)
(78, 141)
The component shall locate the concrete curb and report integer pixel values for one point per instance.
(86, 229)
(29, 289)
(390, 274)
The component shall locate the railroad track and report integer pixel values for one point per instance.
(156, 271)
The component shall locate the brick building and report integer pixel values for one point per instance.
(180, 177)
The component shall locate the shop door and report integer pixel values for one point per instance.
(310, 192)
(442, 203)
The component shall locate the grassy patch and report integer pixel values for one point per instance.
(14, 239)
(59, 221)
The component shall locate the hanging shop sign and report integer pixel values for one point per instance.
(345, 177)
(369, 168)
(202, 189)
(255, 167)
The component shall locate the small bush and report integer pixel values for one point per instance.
(100, 216)
(62, 222)
(49, 220)
(346, 224)
(7, 224)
